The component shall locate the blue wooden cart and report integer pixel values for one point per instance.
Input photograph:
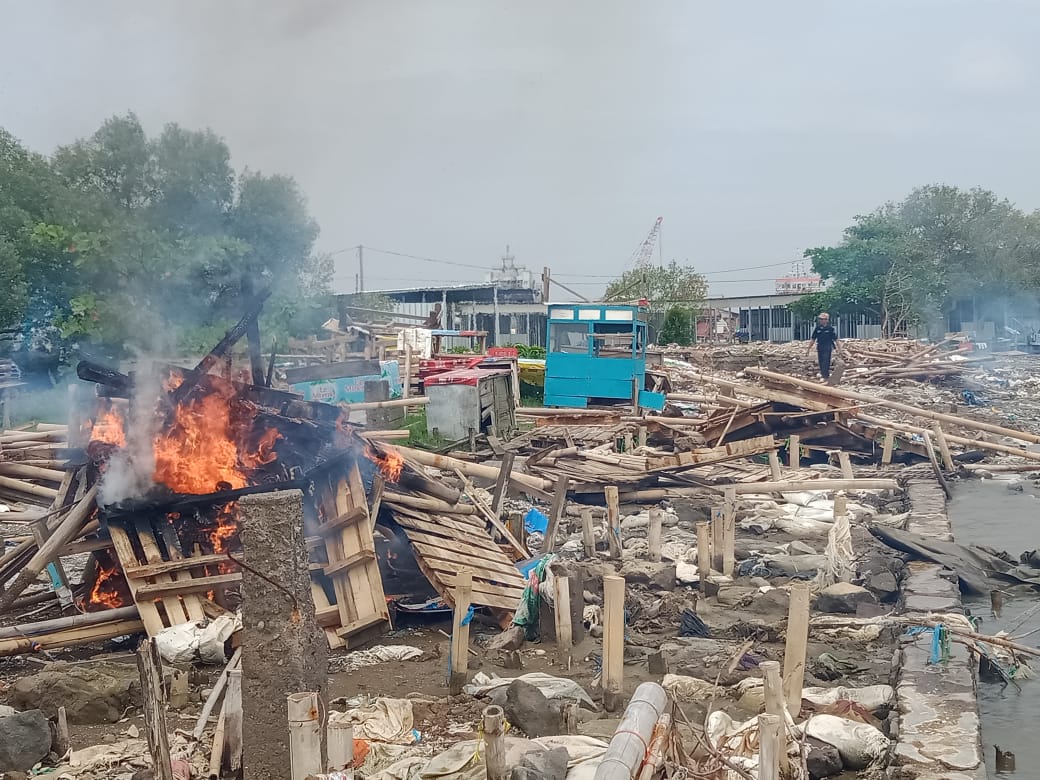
(596, 354)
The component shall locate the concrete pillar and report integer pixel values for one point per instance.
(283, 649)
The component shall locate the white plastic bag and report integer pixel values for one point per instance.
(197, 642)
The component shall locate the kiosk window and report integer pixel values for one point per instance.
(613, 341)
(571, 339)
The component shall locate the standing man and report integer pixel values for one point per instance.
(825, 337)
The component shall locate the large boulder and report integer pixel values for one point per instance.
(658, 576)
(90, 694)
(529, 710)
(844, 598)
(25, 739)
(823, 760)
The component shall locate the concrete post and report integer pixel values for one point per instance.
(283, 650)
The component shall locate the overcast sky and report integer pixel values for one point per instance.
(449, 128)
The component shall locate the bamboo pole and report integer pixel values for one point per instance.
(28, 488)
(852, 395)
(23, 469)
(446, 463)
(69, 527)
(341, 746)
(429, 504)
(419, 400)
(729, 516)
(774, 466)
(214, 696)
(304, 735)
(495, 762)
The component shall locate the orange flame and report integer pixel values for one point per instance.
(109, 427)
(390, 464)
(197, 453)
(264, 453)
(106, 592)
(226, 527)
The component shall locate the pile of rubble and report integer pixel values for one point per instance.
(716, 586)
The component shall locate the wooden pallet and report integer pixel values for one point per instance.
(168, 588)
(447, 544)
(350, 565)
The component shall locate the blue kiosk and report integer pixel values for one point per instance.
(596, 354)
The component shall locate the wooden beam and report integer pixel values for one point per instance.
(612, 676)
(795, 646)
(462, 595)
(559, 502)
(154, 706)
(610, 493)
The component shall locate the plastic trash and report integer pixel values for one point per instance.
(202, 642)
(859, 744)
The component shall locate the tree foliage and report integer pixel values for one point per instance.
(661, 286)
(678, 327)
(909, 262)
(121, 241)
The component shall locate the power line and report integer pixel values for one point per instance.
(428, 259)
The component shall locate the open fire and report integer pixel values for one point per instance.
(390, 462)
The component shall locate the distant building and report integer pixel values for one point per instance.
(799, 281)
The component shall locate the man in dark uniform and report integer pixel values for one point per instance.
(825, 337)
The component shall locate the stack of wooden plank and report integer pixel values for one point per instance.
(902, 359)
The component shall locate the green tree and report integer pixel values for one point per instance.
(678, 327)
(908, 262)
(661, 286)
(122, 241)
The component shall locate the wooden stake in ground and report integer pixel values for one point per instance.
(610, 493)
(588, 536)
(233, 722)
(774, 466)
(654, 533)
(612, 676)
(703, 554)
(304, 735)
(495, 743)
(890, 443)
(770, 746)
(717, 522)
(846, 465)
(502, 483)
(154, 704)
(795, 646)
(934, 460)
(559, 503)
(944, 448)
(462, 595)
(774, 693)
(564, 636)
(794, 450)
(729, 530)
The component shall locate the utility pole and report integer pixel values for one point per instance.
(361, 267)
(545, 284)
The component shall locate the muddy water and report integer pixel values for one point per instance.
(988, 513)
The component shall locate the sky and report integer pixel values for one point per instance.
(450, 129)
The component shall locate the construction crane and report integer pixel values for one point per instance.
(643, 256)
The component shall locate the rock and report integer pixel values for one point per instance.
(884, 584)
(735, 595)
(823, 759)
(592, 598)
(659, 576)
(843, 598)
(542, 765)
(98, 693)
(527, 708)
(773, 602)
(1016, 487)
(510, 639)
(5, 711)
(635, 522)
(25, 739)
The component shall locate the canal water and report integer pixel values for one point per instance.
(986, 512)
